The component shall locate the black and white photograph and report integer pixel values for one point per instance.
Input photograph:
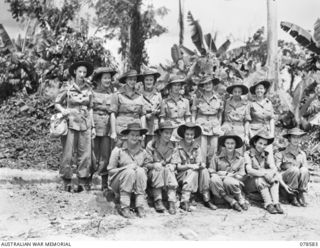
(159, 120)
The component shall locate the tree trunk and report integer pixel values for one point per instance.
(272, 60)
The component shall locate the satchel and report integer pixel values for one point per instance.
(58, 126)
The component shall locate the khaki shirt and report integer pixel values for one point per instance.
(152, 102)
(290, 157)
(78, 100)
(121, 157)
(236, 112)
(221, 163)
(159, 152)
(258, 161)
(101, 111)
(260, 112)
(175, 110)
(207, 112)
(183, 156)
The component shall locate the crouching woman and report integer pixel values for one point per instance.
(127, 170)
(262, 172)
(227, 172)
(161, 173)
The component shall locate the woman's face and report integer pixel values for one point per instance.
(165, 135)
(81, 73)
(261, 144)
(148, 82)
(131, 81)
(230, 145)
(175, 88)
(237, 91)
(295, 140)
(208, 87)
(189, 136)
(106, 80)
(133, 137)
(260, 90)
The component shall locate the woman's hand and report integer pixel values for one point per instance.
(113, 136)
(93, 133)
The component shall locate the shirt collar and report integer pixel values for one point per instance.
(123, 90)
(152, 93)
(254, 153)
(183, 146)
(125, 147)
(292, 150)
(170, 97)
(223, 154)
(233, 103)
(157, 144)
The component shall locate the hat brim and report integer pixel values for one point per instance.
(181, 130)
(75, 65)
(265, 83)
(123, 78)
(257, 136)
(287, 135)
(157, 131)
(143, 131)
(214, 81)
(238, 140)
(96, 75)
(155, 74)
(182, 82)
(244, 88)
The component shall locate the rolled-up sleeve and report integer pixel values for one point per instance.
(114, 158)
(114, 105)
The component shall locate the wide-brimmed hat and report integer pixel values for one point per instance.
(130, 73)
(164, 125)
(265, 83)
(209, 79)
(237, 84)
(238, 140)
(150, 72)
(134, 127)
(294, 131)
(263, 135)
(101, 70)
(75, 65)
(182, 128)
(176, 79)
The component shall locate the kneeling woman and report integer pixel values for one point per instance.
(262, 172)
(192, 171)
(227, 172)
(162, 172)
(127, 170)
(292, 163)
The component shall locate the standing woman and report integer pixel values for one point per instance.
(175, 108)
(262, 173)
(127, 105)
(153, 102)
(102, 95)
(78, 99)
(206, 112)
(260, 111)
(235, 112)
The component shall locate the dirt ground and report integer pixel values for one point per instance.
(43, 211)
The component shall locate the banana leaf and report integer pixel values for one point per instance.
(302, 36)
(210, 43)
(223, 48)
(187, 51)
(175, 53)
(196, 34)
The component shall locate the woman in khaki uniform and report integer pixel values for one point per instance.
(292, 164)
(235, 112)
(78, 99)
(206, 112)
(152, 100)
(192, 172)
(127, 105)
(128, 170)
(260, 111)
(262, 173)
(102, 95)
(227, 172)
(175, 108)
(161, 172)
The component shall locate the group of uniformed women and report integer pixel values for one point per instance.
(207, 145)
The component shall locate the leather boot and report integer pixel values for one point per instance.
(125, 212)
(210, 205)
(185, 206)
(301, 199)
(294, 201)
(278, 208)
(158, 205)
(140, 212)
(104, 182)
(236, 206)
(270, 208)
(172, 207)
(67, 185)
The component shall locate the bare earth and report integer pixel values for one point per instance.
(43, 211)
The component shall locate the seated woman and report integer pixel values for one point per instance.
(192, 171)
(161, 172)
(262, 172)
(227, 172)
(127, 170)
(292, 164)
